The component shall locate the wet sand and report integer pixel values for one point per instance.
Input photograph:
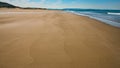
(54, 39)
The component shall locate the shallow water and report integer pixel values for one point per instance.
(111, 18)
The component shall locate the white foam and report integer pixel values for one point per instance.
(114, 13)
(115, 24)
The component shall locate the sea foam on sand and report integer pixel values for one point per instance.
(89, 14)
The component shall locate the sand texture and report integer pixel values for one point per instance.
(55, 39)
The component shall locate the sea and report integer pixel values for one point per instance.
(111, 17)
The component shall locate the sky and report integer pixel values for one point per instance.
(86, 4)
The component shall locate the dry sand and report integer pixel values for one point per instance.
(54, 39)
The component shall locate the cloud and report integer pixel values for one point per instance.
(30, 3)
(19, 2)
(66, 3)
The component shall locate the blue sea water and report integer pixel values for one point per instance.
(111, 17)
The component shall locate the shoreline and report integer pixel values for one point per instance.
(55, 39)
(37, 11)
(108, 22)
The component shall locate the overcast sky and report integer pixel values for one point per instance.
(97, 4)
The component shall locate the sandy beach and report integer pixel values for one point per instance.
(56, 39)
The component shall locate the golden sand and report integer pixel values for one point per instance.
(54, 39)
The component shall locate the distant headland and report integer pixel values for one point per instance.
(7, 5)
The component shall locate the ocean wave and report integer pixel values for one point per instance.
(114, 13)
(106, 18)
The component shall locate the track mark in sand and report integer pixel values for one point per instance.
(33, 62)
(42, 38)
(63, 27)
